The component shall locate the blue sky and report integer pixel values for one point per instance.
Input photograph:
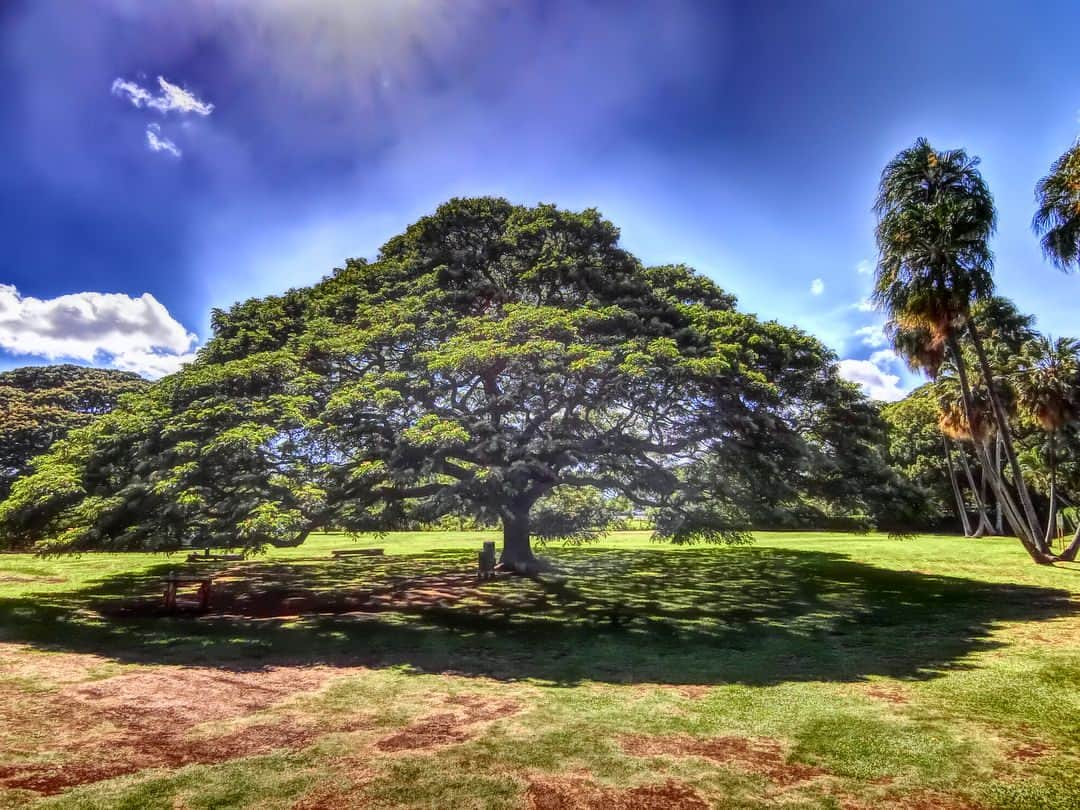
(744, 139)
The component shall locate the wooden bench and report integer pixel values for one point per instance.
(337, 554)
(172, 582)
(208, 557)
(486, 563)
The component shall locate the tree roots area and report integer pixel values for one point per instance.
(803, 671)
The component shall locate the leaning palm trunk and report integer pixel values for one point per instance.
(961, 509)
(1002, 423)
(984, 521)
(999, 525)
(1051, 521)
(1069, 554)
(1031, 541)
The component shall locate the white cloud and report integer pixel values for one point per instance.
(864, 267)
(875, 383)
(872, 336)
(817, 286)
(172, 97)
(159, 143)
(866, 305)
(883, 356)
(134, 334)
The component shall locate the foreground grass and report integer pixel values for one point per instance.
(816, 671)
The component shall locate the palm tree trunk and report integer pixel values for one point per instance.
(1006, 436)
(1051, 521)
(1069, 554)
(1030, 542)
(961, 511)
(984, 522)
(1000, 527)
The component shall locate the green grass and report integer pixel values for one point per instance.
(896, 668)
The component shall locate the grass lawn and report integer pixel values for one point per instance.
(804, 671)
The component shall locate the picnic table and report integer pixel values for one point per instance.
(173, 581)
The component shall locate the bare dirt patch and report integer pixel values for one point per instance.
(148, 718)
(760, 755)
(1028, 751)
(48, 668)
(446, 728)
(344, 793)
(894, 696)
(20, 579)
(918, 800)
(263, 594)
(691, 691)
(582, 794)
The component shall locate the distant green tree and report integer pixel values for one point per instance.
(41, 404)
(492, 360)
(915, 450)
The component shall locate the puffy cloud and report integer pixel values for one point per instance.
(159, 143)
(864, 267)
(883, 356)
(872, 336)
(172, 97)
(134, 334)
(874, 381)
(866, 305)
(817, 286)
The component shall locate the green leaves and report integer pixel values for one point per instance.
(495, 361)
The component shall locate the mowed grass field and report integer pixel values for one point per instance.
(803, 671)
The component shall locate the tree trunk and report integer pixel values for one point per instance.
(517, 550)
(984, 521)
(1051, 521)
(1069, 554)
(1006, 436)
(1000, 526)
(961, 511)
(1031, 543)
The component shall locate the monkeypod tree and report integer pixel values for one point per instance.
(41, 404)
(489, 362)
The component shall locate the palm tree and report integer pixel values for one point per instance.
(1005, 330)
(935, 218)
(1046, 379)
(1057, 215)
(954, 424)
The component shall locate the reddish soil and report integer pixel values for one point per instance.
(694, 692)
(447, 728)
(582, 794)
(146, 719)
(1028, 751)
(888, 695)
(760, 755)
(47, 668)
(239, 595)
(340, 795)
(921, 800)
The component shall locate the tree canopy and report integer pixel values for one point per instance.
(491, 357)
(41, 404)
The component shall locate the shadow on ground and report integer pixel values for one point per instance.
(695, 616)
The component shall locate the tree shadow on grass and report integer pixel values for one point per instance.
(692, 616)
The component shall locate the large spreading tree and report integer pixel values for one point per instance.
(41, 404)
(492, 358)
